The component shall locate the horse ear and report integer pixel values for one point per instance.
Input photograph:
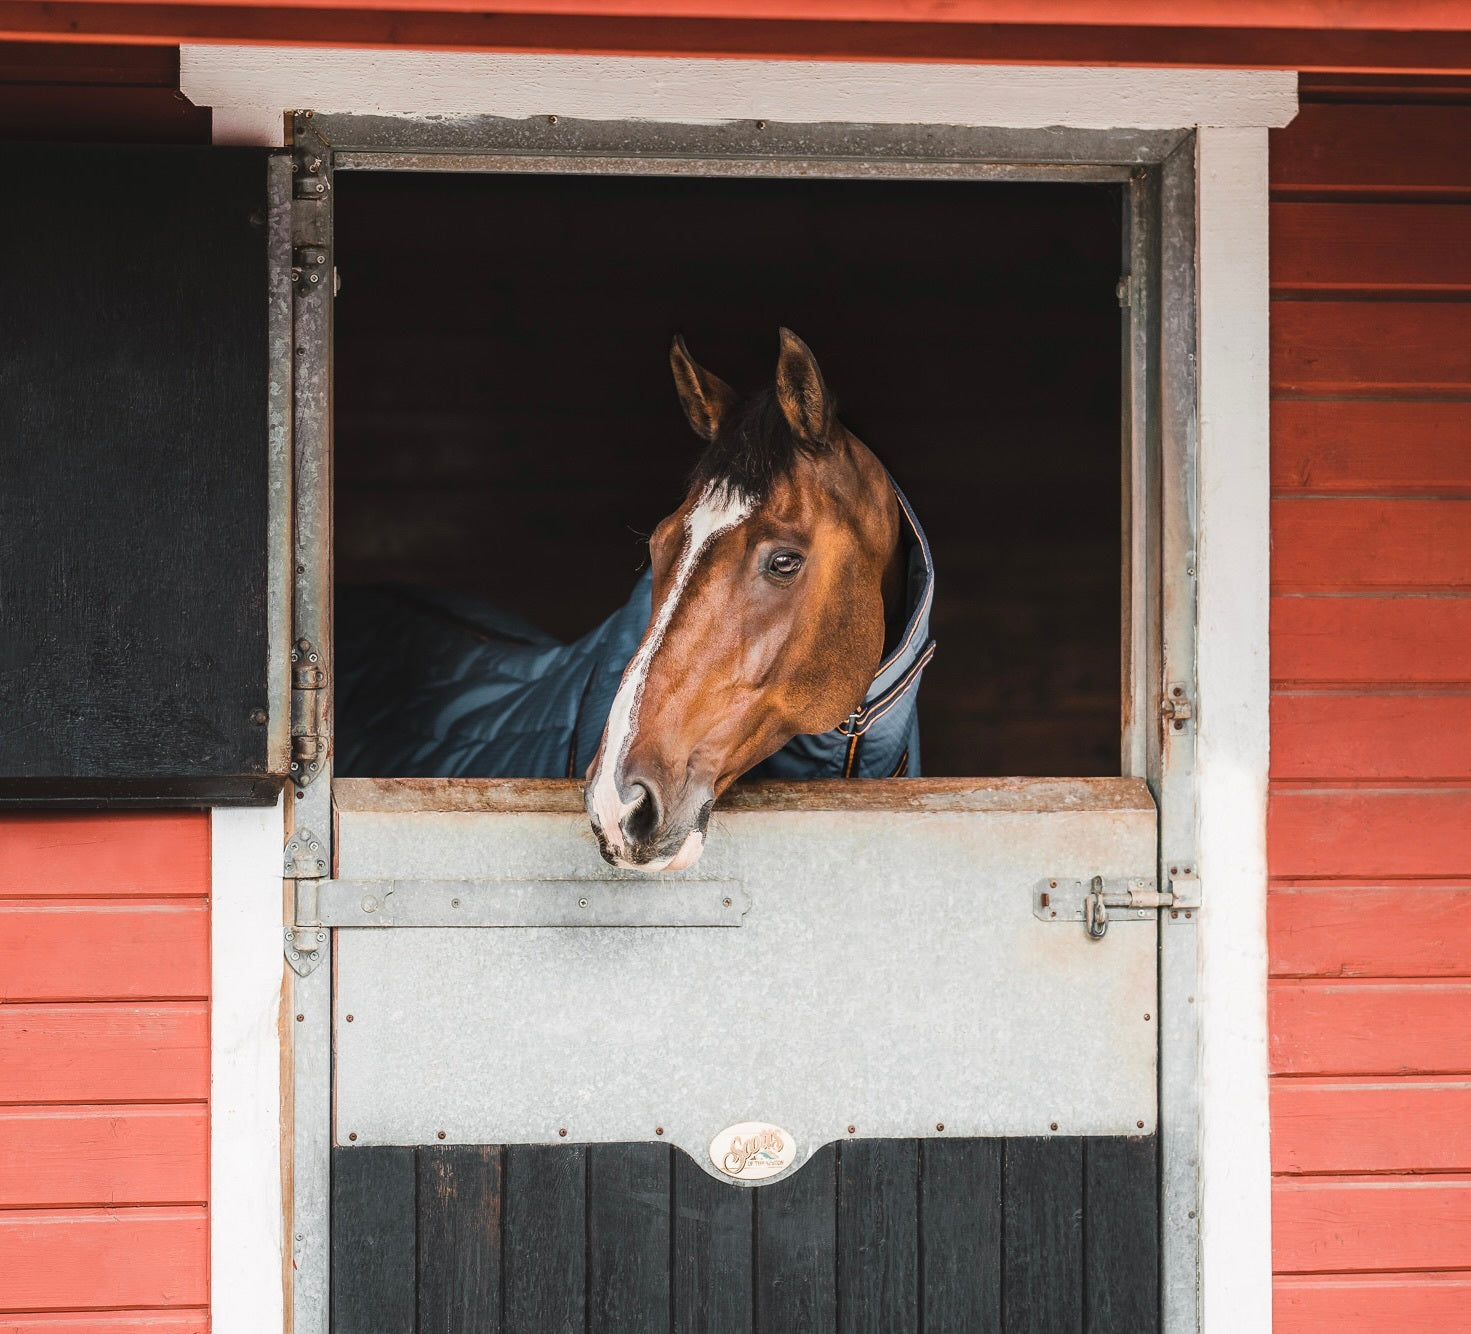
(802, 392)
(706, 398)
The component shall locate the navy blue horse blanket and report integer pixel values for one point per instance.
(439, 684)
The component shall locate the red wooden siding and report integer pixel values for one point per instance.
(104, 1073)
(1370, 820)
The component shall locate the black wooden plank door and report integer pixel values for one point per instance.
(134, 456)
(1020, 1236)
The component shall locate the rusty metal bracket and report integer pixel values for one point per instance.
(305, 947)
(1176, 708)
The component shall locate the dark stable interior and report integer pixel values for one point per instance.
(506, 423)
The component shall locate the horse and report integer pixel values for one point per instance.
(779, 632)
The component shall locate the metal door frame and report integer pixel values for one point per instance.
(1159, 514)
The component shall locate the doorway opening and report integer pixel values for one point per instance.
(505, 423)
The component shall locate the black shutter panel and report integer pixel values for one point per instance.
(134, 476)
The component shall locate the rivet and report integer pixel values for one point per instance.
(1191, 1214)
(306, 115)
(939, 1125)
(258, 716)
(352, 1134)
(726, 902)
(852, 1130)
(1146, 1018)
(349, 1018)
(454, 903)
(1140, 1124)
(1052, 884)
(1173, 914)
(582, 903)
(1174, 870)
(1187, 914)
(301, 1019)
(441, 1133)
(1054, 1125)
(1179, 725)
(563, 1132)
(1190, 999)
(551, 120)
(1053, 913)
(658, 1130)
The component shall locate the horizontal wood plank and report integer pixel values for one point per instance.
(1347, 544)
(1373, 148)
(1349, 833)
(155, 1321)
(63, 1260)
(104, 1155)
(1414, 1303)
(1333, 735)
(1383, 447)
(1414, 348)
(1369, 931)
(104, 1052)
(1371, 639)
(1322, 247)
(1326, 1225)
(103, 951)
(111, 854)
(1369, 1028)
(1402, 1125)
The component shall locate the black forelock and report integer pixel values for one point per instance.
(754, 446)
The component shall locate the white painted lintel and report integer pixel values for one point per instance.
(250, 86)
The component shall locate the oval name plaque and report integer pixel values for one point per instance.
(752, 1151)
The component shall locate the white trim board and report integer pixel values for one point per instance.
(1232, 737)
(245, 1109)
(250, 86)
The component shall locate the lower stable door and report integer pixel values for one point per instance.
(864, 1067)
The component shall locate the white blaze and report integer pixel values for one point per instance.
(716, 511)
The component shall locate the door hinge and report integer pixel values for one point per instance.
(303, 947)
(1097, 901)
(1176, 708)
(309, 269)
(308, 712)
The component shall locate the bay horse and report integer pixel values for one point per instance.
(786, 604)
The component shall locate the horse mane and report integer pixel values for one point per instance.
(754, 447)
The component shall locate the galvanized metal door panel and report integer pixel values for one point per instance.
(889, 976)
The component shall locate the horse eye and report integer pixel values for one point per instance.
(784, 564)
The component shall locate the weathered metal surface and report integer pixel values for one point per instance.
(280, 497)
(741, 147)
(1173, 752)
(310, 1022)
(408, 902)
(890, 975)
(560, 795)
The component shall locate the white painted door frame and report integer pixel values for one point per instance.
(250, 89)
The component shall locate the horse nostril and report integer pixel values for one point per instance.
(641, 820)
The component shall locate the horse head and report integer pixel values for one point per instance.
(773, 584)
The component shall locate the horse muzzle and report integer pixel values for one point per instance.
(648, 832)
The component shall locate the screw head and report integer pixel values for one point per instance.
(658, 1130)
(349, 1018)
(441, 1133)
(258, 717)
(352, 1134)
(562, 1132)
(582, 903)
(939, 1125)
(1140, 1124)
(1054, 1125)
(726, 902)
(301, 1019)
(852, 1130)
